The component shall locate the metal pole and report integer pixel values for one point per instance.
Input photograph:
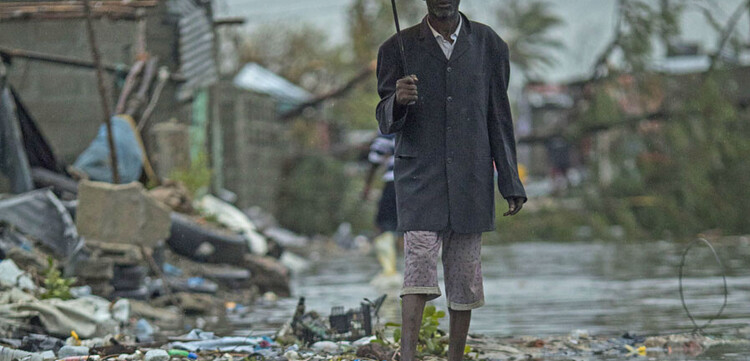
(102, 92)
(398, 37)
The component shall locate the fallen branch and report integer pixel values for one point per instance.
(361, 76)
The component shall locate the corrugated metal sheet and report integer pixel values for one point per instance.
(196, 47)
(256, 78)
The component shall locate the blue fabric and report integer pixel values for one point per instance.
(95, 162)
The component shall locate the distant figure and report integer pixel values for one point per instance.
(386, 221)
(446, 142)
(558, 151)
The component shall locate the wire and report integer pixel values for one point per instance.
(699, 329)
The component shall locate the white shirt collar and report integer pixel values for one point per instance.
(454, 36)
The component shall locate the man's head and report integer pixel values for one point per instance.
(443, 9)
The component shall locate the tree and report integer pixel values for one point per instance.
(301, 54)
(682, 171)
(371, 23)
(529, 25)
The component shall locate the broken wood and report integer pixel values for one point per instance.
(130, 81)
(140, 97)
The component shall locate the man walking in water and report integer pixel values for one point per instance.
(452, 121)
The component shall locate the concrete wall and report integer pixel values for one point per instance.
(64, 100)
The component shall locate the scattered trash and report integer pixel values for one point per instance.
(90, 316)
(40, 215)
(8, 354)
(72, 351)
(325, 346)
(237, 221)
(40, 343)
(156, 355)
(12, 276)
(341, 325)
(225, 344)
(181, 353)
(144, 333)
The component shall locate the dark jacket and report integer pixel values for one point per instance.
(447, 141)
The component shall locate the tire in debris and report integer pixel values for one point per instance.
(204, 245)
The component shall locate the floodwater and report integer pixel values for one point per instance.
(553, 288)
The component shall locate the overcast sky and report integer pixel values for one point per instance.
(587, 29)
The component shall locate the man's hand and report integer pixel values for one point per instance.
(514, 205)
(406, 90)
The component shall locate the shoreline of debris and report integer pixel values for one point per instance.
(203, 345)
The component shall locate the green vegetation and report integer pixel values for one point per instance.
(196, 178)
(312, 195)
(430, 340)
(55, 285)
(527, 29)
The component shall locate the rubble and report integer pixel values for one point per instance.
(175, 196)
(123, 214)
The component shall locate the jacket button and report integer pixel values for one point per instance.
(450, 160)
(450, 99)
(448, 128)
(449, 69)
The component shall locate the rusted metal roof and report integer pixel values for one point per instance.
(71, 9)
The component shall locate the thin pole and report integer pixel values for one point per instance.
(102, 92)
(398, 36)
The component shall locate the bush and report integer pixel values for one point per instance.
(312, 194)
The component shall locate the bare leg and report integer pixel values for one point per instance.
(459, 329)
(412, 307)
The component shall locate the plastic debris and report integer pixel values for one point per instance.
(183, 353)
(9, 354)
(94, 161)
(156, 355)
(70, 351)
(40, 215)
(325, 346)
(12, 276)
(143, 331)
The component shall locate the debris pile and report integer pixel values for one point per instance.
(118, 260)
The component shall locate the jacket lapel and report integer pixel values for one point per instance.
(465, 40)
(428, 43)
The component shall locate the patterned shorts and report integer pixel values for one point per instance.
(462, 267)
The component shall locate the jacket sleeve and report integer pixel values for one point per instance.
(500, 125)
(391, 116)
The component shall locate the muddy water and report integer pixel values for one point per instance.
(553, 288)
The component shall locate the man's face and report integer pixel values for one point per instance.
(443, 9)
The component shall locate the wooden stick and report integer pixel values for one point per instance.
(102, 92)
(163, 77)
(140, 96)
(130, 81)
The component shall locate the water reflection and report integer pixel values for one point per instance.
(553, 288)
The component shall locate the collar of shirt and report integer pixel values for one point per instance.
(454, 36)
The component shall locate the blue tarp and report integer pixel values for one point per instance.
(95, 162)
